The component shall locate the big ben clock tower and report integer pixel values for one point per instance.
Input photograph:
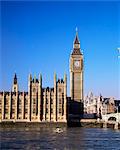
(76, 72)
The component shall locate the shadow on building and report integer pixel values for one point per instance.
(117, 105)
(75, 113)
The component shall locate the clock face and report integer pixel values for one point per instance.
(77, 63)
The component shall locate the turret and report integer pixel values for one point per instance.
(29, 96)
(55, 97)
(29, 82)
(55, 79)
(40, 80)
(65, 78)
(40, 102)
(65, 84)
(15, 84)
(65, 96)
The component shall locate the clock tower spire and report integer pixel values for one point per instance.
(76, 71)
(76, 45)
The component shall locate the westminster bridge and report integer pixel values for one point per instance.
(113, 118)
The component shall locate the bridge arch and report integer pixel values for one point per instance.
(112, 118)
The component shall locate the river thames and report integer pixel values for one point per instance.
(46, 138)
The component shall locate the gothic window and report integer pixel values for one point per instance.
(34, 101)
(60, 110)
(20, 110)
(34, 110)
(46, 101)
(46, 110)
(51, 101)
(6, 111)
(20, 101)
(60, 101)
(14, 89)
(6, 102)
(25, 110)
(6, 117)
(51, 110)
(13, 102)
(59, 89)
(12, 117)
(0, 101)
(26, 102)
(34, 90)
(20, 106)
(13, 110)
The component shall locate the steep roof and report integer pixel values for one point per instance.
(76, 50)
(76, 41)
(15, 79)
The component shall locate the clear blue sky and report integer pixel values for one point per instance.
(37, 37)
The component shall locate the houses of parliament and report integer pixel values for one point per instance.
(41, 104)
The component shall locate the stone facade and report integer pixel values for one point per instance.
(38, 104)
(107, 105)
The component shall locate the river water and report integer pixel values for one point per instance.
(46, 138)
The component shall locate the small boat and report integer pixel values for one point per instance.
(58, 130)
